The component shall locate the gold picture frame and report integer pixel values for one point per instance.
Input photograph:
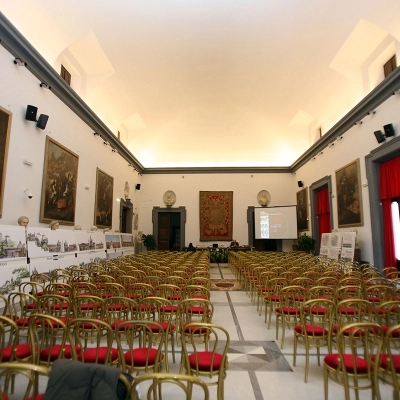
(5, 128)
(104, 199)
(349, 196)
(302, 209)
(59, 186)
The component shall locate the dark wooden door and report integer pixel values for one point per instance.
(163, 231)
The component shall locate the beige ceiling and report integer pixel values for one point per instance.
(194, 83)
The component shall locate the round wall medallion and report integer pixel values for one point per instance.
(263, 198)
(169, 198)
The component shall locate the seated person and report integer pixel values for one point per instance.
(191, 247)
(234, 243)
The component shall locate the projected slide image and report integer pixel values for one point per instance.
(273, 225)
(275, 222)
(264, 225)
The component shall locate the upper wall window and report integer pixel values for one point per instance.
(65, 75)
(390, 66)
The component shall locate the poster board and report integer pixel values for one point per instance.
(348, 245)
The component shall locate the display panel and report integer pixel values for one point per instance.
(275, 222)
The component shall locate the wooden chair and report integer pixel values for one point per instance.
(140, 346)
(51, 339)
(352, 366)
(159, 385)
(160, 310)
(314, 328)
(101, 335)
(28, 379)
(288, 311)
(207, 359)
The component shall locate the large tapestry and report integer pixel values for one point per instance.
(216, 211)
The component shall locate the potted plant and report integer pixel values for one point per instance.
(149, 241)
(305, 243)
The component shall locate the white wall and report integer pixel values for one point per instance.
(20, 88)
(245, 189)
(356, 143)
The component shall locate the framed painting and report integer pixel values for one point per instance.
(5, 126)
(348, 194)
(60, 175)
(104, 199)
(302, 210)
(216, 212)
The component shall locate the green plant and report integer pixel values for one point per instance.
(219, 255)
(149, 241)
(305, 243)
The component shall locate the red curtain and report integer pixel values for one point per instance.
(323, 212)
(389, 190)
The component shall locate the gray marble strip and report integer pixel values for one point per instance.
(255, 385)
(235, 318)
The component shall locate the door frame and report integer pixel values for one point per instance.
(385, 152)
(181, 210)
(126, 204)
(325, 182)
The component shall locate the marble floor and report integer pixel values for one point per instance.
(258, 368)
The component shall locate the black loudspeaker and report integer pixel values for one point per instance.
(31, 112)
(138, 186)
(389, 130)
(300, 183)
(42, 121)
(380, 137)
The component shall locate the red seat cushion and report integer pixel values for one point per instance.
(350, 363)
(347, 310)
(287, 310)
(89, 355)
(52, 353)
(196, 310)
(116, 325)
(336, 329)
(205, 361)
(169, 309)
(385, 361)
(115, 307)
(311, 330)
(137, 357)
(22, 351)
(316, 310)
(164, 325)
(197, 330)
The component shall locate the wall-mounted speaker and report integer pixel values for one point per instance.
(300, 183)
(42, 121)
(138, 186)
(389, 130)
(380, 137)
(31, 112)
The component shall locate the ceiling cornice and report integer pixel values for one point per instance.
(219, 170)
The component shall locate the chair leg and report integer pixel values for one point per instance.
(307, 363)
(326, 379)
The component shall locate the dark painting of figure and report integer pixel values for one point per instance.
(104, 199)
(302, 210)
(59, 184)
(349, 195)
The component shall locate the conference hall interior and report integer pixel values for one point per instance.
(228, 143)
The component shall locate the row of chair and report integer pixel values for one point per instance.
(152, 386)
